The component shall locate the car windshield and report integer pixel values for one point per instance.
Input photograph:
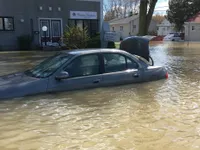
(48, 66)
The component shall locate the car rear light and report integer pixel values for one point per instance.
(166, 75)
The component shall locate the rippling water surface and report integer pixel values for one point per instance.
(150, 116)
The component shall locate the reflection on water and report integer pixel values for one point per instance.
(148, 116)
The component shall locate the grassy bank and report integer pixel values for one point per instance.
(117, 44)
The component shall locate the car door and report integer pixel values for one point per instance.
(120, 69)
(84, 72)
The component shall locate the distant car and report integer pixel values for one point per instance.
(80, 69)
(172, 37)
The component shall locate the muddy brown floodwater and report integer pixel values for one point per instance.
(161, 115)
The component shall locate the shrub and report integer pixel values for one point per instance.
(111, 44)
(75, 38)
(24, 42)
(95, 41)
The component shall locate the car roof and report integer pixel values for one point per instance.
(78, 52)
(92, 51)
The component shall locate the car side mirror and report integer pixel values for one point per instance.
(62, 75)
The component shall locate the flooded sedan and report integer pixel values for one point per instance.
(80, 69)
(151, 116)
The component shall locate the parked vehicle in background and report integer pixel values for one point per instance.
(173, 37)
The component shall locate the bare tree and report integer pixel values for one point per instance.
(119, 8)
(158, 18)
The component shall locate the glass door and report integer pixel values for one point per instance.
(45, 22)
(56, 30)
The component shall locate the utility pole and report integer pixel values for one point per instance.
(188, 34)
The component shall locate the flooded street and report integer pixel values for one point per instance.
(161, 115)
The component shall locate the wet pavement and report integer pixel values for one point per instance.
(156, 115)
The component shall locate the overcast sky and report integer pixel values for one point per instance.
(161, 7)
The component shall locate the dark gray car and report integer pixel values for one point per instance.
(80, 69)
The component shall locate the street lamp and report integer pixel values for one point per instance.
(44, 29)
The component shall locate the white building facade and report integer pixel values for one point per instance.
(129, 26)
(165, 28)
(192, 28)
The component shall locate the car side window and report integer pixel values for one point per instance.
(117, 62)
(176, 35)
(84, 66)
(114, 62)
(132, 64)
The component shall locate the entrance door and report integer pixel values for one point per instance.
(54, 30)
(45, 22)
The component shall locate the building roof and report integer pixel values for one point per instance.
(195, 19)
(115, 19)
(165, 23)
(123, 20)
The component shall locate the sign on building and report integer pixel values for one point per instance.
(83, 15)
(111, 36)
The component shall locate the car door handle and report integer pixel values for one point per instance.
(135, 75)
(96, 81)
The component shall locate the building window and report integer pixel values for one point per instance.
(46, 23)
(91, 25)
(79, 24)
(94, 27)
(86, 24)
(134, 28)
(71, 23)
(1, 24)
(193, 28)
(40, 8)
(121, 28)
(56, 30)
(6, 24)
(50, 8)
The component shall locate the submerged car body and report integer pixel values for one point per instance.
(80, 69)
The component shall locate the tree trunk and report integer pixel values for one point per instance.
(143, 17)
(152, 6)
